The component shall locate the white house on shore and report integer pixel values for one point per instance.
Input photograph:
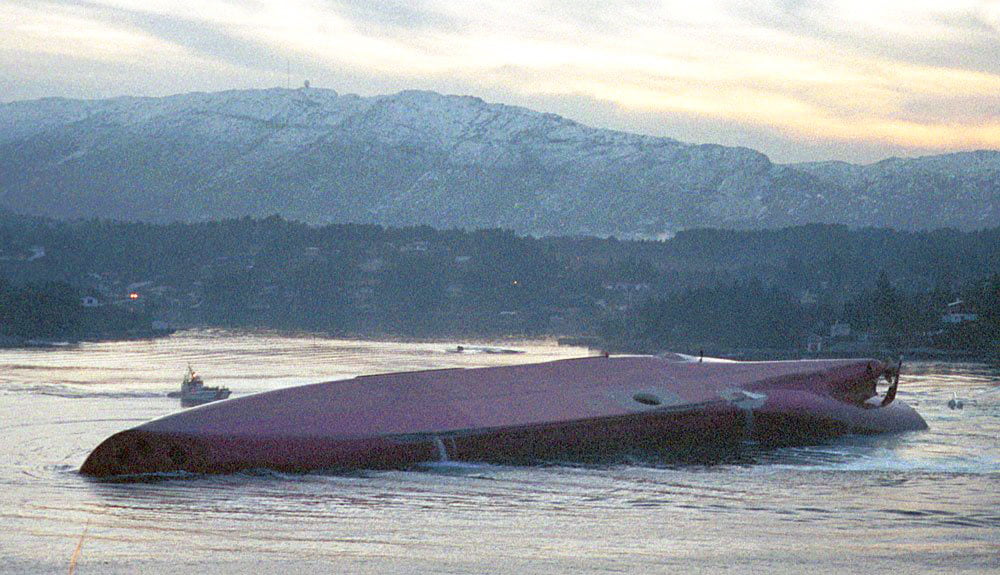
(840, 329)
(958, 312)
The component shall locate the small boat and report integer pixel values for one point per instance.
(483, 349)
(194, 392)
(574, 409)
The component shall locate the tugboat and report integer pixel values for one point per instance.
(193, 391)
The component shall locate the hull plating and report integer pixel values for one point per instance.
(582, 408)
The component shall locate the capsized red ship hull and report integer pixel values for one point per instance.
(576, 408)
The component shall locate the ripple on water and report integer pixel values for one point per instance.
(637, 514)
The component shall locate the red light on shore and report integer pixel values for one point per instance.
(133, 296)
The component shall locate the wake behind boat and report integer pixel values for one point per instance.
(567, 409)
(195, 392)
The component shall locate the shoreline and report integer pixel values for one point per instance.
(922, 353)
(12, 342)
(8, 342)
(592, 343)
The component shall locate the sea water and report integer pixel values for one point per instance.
(921, 502)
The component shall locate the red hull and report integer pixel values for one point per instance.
(578, 408)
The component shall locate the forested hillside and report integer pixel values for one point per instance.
(729, 289)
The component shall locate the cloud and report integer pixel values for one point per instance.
(860, 75)
(395, 16)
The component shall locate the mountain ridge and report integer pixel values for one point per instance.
(419, 157)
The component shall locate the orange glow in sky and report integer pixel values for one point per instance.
(849, 79)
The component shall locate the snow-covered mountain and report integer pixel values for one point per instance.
(447, 161)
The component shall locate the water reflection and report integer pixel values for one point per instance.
(933, 495)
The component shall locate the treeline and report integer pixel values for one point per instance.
(904, 318)
(711, 288)
(53, 311)
(44, 310)
(738, 315)
(797, 258)
(754, 316)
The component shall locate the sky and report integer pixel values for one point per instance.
(800, 80)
